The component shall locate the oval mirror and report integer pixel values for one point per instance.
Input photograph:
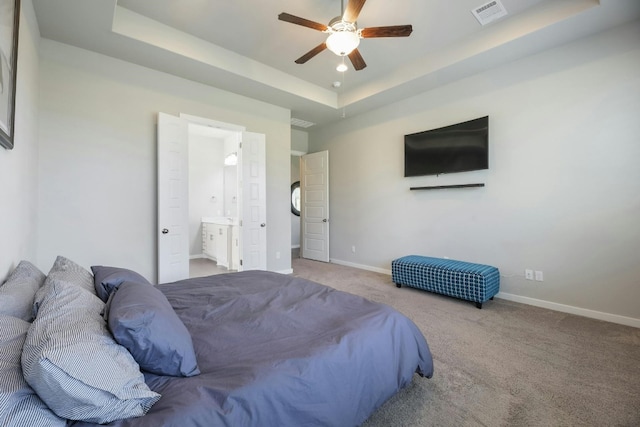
(295, 198)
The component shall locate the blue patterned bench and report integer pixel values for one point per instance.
(472, 282)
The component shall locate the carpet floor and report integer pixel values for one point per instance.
(508, 364)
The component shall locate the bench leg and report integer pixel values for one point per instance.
(479, 305)
(398, 285)
(491, 298)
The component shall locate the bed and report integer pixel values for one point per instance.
(276, 350)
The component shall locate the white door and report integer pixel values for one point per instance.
(253, 208)
(173, 202)
(314, 200)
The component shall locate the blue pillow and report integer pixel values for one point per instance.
(106, 279)
(142, 320)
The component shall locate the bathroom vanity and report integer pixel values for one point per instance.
(220, 241)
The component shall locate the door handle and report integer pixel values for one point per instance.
(165, 231)
(263, 225)
(325, 220)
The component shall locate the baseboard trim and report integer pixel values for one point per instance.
(295, 246)
(197, 256)
(599, 315)
(360, 266)
(287, 271)
(593, 314)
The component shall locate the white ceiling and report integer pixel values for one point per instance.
(241, 46)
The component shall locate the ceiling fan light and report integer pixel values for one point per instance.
(341, 68)
(342, 43)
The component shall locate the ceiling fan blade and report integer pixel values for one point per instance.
(353, 10)
(391, 31)
(313, 52)
(301, 21)
(356, 60)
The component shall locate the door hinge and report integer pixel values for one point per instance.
(240, 145)
(240, 262)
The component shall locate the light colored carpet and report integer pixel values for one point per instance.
(508, 364)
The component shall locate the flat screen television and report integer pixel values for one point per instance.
(457, 148)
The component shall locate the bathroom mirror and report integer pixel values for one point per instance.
(295, 198)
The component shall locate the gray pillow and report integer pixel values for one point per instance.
(142, 319)
(72, 362)
(19, 404)
(16, 295)
(107, 279)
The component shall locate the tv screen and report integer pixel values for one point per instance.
(457, 148)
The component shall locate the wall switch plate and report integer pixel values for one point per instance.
(277, 255)
(539, 276)
(528, 274)
(353, 249)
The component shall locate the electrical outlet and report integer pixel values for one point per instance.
(277, 255)
(353, 249)
(528, 274)
(539, 276)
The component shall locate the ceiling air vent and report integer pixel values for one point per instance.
(489, 12)
(301, 123)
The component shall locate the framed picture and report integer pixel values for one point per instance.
(9, 20)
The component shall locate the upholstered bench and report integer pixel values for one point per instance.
(472, 282)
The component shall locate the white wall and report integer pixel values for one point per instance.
(206, 185)
(562, 191)
(98, 156)
(19, 167)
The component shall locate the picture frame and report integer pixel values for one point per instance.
(9, 27)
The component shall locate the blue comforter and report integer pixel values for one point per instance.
(275, 350)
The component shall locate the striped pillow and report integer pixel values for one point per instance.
(72, 362)
(19, 404)
(67, 270)
(16, 295)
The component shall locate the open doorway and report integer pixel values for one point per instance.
(295, 207)
(213, 200)
(173, 200)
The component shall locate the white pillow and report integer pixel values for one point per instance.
(19, 404)
(72, 362)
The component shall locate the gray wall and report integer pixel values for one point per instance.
(19, 167)
(98, 156)
(562, 191)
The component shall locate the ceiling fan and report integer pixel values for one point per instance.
(344, 35)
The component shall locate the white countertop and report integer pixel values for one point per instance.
(220, 220)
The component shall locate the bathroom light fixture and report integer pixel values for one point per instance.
(231, 159)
